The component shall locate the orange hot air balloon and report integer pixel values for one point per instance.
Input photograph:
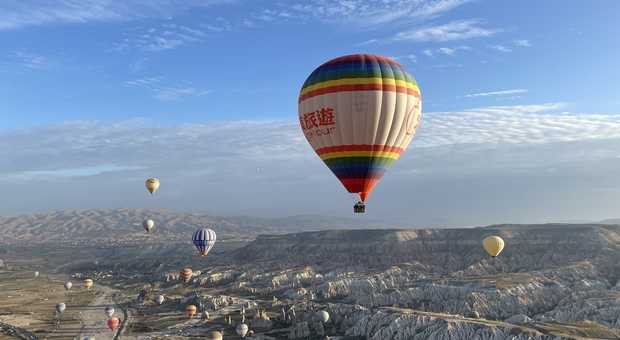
(88, 283)
(113, 323)
(359, 113)
(190, 311)
(186, 274)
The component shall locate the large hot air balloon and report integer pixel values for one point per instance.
(148, 225)
(68, 285)
(113, 323)
(159, 299)
(493, 245)
(204, 239)
(359, 114)
(242, 330)
(109, 311)
(214, 335)
(152, 184)
(60, 308)
(88, 283)
(323, 316)
(186, 274)
(190, 311)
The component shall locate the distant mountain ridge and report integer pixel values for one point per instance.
(125, 226)
(527, 246)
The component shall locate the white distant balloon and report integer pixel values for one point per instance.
(36, 274)
(61, 307)
(109, 311)
(323, 316)
(159, 299)
(148, 225)
(242, 329)
(68, 285)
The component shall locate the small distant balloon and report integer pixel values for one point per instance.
(242, 330)
(109, 311)
(68, 285)
(148, 225)
(152, 184)
(113, 323)
(190, 311)
(60, 307)
(88, 283)
(36, 274)
(493, 245)
(186, 274)
(214, 335)
(323, 316)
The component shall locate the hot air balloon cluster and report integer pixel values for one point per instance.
(359, 113)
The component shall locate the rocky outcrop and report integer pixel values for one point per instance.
(394, 326)
(519, 319)
(17, 332)
(593, 305)
(498, 297)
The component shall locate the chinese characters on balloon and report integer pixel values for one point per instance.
(318, 123)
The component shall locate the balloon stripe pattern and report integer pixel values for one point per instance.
(359, 113)
(204, 239)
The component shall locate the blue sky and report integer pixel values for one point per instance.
(89, 89)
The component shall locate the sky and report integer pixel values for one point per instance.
(521, 113)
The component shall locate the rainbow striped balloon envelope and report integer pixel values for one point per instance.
(359, 113)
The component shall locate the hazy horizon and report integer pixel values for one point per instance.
(520, 112)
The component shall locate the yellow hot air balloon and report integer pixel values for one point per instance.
(359, 113)
(152, 184)
(190, 311)
(214, 335)
(88, 283)
(493, 245)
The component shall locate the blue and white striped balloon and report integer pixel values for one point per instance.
(204, 239)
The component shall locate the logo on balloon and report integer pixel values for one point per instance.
(319, 122)
(413, 122)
